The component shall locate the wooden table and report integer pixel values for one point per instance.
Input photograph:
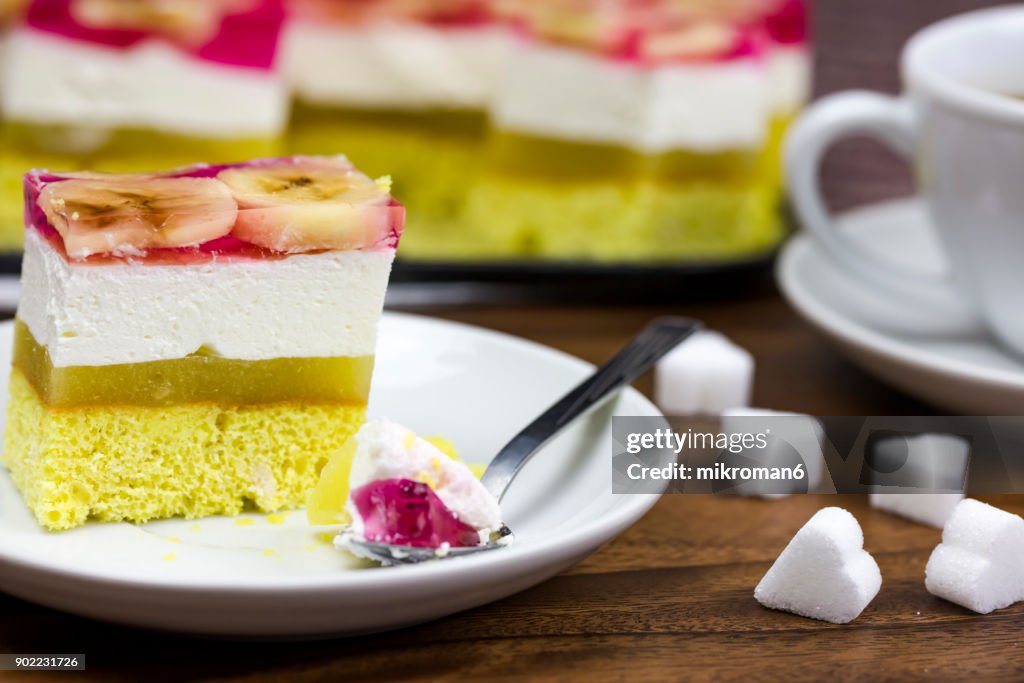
(672, 598)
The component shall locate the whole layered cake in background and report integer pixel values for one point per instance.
(132, 86)
(607, 131)
(402, 87)
(194, 342)
(569, 130)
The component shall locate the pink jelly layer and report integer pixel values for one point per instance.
(405, 512)
(356, 12)
(247, 38)
(783, 22)
(746, 45)
(749, 43)
(227, 248)
(787, 23)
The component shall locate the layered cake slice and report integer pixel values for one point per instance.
(129, 86)
(194, 342)
(640, 131)
(401, 87)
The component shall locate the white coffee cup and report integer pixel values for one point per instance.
(962, 129)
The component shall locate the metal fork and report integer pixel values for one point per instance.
(642, 352)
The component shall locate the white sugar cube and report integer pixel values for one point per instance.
(704, 375)
(824, 573)
(932, 509)
(800, 433)
(919, 461)
(980, 562)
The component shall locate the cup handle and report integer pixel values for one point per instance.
(890, 120)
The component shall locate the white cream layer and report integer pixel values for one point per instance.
(393, 65)
(52, 80)
(570, 94)
(305, 305)
(789, 76)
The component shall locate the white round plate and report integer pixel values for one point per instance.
(261, 579)
(901, 346)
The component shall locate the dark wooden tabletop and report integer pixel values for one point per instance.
(672, 598)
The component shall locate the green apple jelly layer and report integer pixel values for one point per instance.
(25, 146)
(478, 194)
(198, 378)
(640, 222)
(560, 160)
(555, 160)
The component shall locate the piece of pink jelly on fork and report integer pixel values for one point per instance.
(406, 512)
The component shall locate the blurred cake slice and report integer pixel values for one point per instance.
(641, 131)
(392, 54)
(194, 342)
(123, 86)
(401, 86)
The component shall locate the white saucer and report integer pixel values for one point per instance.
(213, 576)
(902, 346)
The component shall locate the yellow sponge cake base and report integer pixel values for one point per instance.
(137, 463)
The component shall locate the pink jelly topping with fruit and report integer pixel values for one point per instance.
(626, 30)
(745, 43)
(227, 248)
(246, 35)
(443, 14)
(406, 512)
(787, 25)
(630, 44)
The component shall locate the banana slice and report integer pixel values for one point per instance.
(129, 214)
(307, 204)
(191, 21)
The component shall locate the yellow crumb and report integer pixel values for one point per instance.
(269, 553)
(425, 477)
(409, 441)
(444, 445)
(326, 538)
(245, 521)
(173, 539)
(325, 503)
(477, 469)
(195, 528)
(310, 548)
(170, 557)
(277, 518)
